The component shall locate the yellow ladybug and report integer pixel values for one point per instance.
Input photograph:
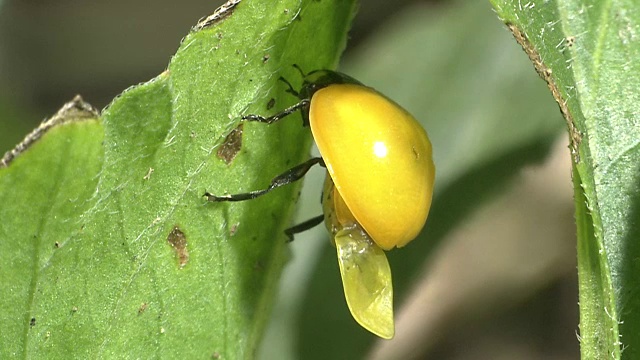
(378, 188)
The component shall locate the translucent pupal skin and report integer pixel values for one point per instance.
(379, 158)
(365, 271)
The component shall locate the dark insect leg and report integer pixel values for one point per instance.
(302, 73)
(303, 226)
(294, 174)
(290, 90)
(273, 118)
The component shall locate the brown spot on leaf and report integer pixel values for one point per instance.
(233, 229)
(142, 308)
(231, 145)
(178, 241)
(569, 41)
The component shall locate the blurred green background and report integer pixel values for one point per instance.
(492, 276)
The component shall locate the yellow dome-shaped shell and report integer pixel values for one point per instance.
(379, 158)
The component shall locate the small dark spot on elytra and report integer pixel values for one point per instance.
(271, 103)
(178, 240)
(231, 145)
(32, 323)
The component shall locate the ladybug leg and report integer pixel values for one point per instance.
(290, 89)
(294, 174)
(303, 226)
(303, 104)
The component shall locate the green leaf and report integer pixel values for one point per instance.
(44, 193)
(587, 53)
(107, 245)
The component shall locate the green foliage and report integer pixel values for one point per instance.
(107, 244)
(588, 53)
